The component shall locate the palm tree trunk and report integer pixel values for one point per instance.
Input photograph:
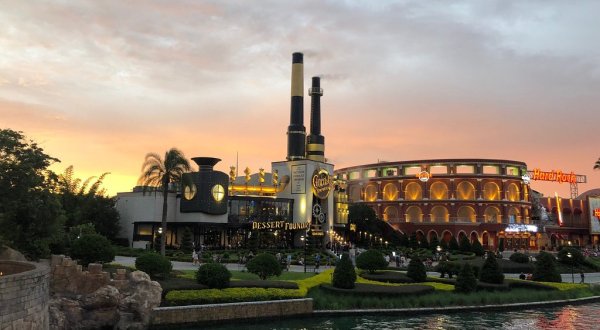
(163, 238)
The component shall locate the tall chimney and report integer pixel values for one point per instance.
(315, 142)
(296, 131)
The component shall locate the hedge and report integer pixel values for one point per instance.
(379, 290)
(389, 277)
(528, 284)
(229, 295)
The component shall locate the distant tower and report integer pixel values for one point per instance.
(296, 131)
(315, 142)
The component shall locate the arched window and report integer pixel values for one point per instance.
(465, 191)
(413, 192)
(439, 214)
(390, 192)
(514, 215)
(512, 192)
(466, 214)
(371, 193)
(492, 215)
(414, 214)
(390, 214)
(491, 191)
(438, 190)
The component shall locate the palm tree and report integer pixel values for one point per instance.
(597, 165)
(159, 173)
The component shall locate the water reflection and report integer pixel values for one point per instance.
(564, 318)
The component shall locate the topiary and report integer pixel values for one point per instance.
(344, 274)
(491, 271)
(577, 257)
(416, 270)
(187, 243)
(519, 257)
(465, 245)
(371, 261)
(501, 244)
(264, 265)
(465, 281)
(154, 264)
(91, 248)
(213, 275)
(545, 268)
(453, 244)
(477, 248)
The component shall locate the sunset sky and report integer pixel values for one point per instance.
(98, 84)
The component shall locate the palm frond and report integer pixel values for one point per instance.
(94, 188)
(597, 165)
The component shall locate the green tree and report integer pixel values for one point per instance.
(466, 281)
(31, 217)
(213, 275)
(371, 261)
(444, 246)
(344, 275)
(453, 244)
(92, 248)
(159, 172)
(434, 243)
(465, 245)
(576, 258)
(501, 244)
(187, 240)
(545, 268)
(404, 240)
(264, 265)
(491, 271)
(477, 248)
(416, 270)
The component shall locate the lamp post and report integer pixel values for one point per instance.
(439, 252)
(570, 256)
(303, 239)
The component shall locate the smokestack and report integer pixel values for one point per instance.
(296, 131)
(315, 142)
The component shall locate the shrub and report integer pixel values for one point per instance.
(519, 257)
(576, 257)
(154, 265)
(545, 268)
(491, 271)
(389, 277)
(465, 245)
(92, 248)
(501, 244)
(213, 275)
(465, 281)
(187, 240)
(344, 275)
(416, 270)
(264, 265)
(477, 248)
(453, 244)
(371, 261)
(381, 290)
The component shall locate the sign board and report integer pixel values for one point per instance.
(298, 179)
(521, 228)
(594, 205)
(424, 176)
(321, 183)
(556, 176)
(279, 225)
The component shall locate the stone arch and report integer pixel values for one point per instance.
(371, 192)
(439, 214)
(485, 239)
(512, 192)
(414, 214)
(491, 191)
(466, 214)
(446, 236)
(390, 214)
(413, 192)
(354, 193)
(492, 215)
(438, 190)
(431, 234)
(460, 235)
(474, 236)
(465, 191)
(514, 215)
(420, 235)
(390, 192)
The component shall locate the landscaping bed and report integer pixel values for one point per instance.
(387, 276)
(380, 290)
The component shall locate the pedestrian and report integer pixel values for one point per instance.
(288, 261)
(397, 261)
(317, 261)
(195, 257)
(582, 277)
(522, 276)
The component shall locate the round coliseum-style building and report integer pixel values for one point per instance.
(477, 198)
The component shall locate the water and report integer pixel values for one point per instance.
(565, 318)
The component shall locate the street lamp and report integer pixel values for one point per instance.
(303, 239)
(570, 256)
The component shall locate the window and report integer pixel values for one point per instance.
(512, 170)
(413, 214)
(492, 215)
(371, 193)
(490, 169)
(491, 191)
(466, 214)
(371, 173)
(438, 169)
(390, 214)
(512, 193)
(412, 170)
(439, 214)
(465, 169)
(354, 175)
(390, 171)
(465, 191)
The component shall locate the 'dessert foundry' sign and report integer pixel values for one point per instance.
(321, 183)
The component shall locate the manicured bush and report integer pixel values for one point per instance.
(464, 245)
(371, 261)
(154, 265)
(545, 268)
(453, 244)
(264, 265)
(519, 257)
(514, 283)
(491, 271)
(382, 290)
(477, 248)
(434, 243)
(92, 248)
(416, 270)
(187, 240)
(501, 244)
(388, 277)
(228, 295)
(465, 281)
(576, 257)
(213, 275)
(344, 275)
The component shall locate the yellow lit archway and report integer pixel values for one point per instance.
(491, 191)
(465, 191)
(371, 193)
(512, 192)
(438, 190)
(390, 192)
(414, 214)
(466, 214)
(413, 192)
(390, 214)
(439, 214)
(492, 215)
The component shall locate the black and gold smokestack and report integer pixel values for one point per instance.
(296, 131)
(315, 142)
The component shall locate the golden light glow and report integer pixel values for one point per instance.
(492, 215)
(390, 213)
(466, 213)
(390, 192)
(218, 192)
(189, 192)
(465, 191)
(438, 190)
(414, 214)
(439, 214)
(413, 192)
(512, 193)
(491, 191)
(371, 193)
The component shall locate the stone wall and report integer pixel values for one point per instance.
(24, 295)
(199, 314)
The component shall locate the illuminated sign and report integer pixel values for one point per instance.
(526, 178)
(558, 210)
(518, 228)
(279, 225)
(321, 183)
(555, 176)
(424, 176)
(597, 213)
(352, 227)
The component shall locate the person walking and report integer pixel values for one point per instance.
(195, 257)
(582, 277)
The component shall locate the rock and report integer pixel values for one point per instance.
(141, 296)
(64, 313)
(106, 297)
(7, 253)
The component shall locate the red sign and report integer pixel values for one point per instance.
(556, 176)
(597, 213)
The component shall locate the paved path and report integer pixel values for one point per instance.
(180, 265)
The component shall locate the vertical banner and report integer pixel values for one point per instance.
(298, 179)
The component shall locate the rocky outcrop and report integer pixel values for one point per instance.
(7, 253)
(124, 302)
